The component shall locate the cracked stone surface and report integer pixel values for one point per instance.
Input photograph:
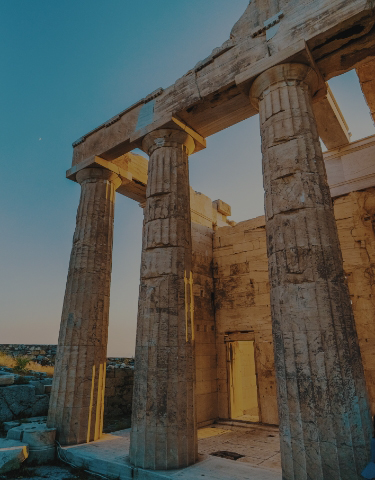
(325, 423)
(259, 445)
(18, 401)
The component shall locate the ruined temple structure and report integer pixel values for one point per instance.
(270, 320)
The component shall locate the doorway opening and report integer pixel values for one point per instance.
(243, 387)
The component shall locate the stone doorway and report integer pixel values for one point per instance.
(242, 377)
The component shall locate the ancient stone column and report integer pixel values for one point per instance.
(77, 398)
(325, 424)
(163, 419)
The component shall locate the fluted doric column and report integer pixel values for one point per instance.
(325, 424)
(77, 398)
(163, 420)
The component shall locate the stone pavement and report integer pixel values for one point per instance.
(258, 445)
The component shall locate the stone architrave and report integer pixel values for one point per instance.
(77, 397)
(325, 424)
(164, 432)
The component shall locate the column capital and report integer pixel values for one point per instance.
(285, 72)
(167, 137)
(95, 174)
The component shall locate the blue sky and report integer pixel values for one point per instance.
(66, 68)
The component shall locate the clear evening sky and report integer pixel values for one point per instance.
(68, 66)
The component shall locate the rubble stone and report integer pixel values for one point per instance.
(39, 438)
(12, 454)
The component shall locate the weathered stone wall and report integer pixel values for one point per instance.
(205, 217)
(30, 400)
(204, 315)
(355, 217)
(242, 304)
(118, 392)
(242, 301)
(21, 401)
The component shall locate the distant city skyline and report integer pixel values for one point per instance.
(67, 69)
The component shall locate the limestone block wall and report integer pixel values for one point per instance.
(242, 293)
(21, 401)
(355, 217)
(204, 315)
(118, 392)
(205, 217)
(242, 307)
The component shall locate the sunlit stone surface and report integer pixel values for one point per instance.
(324, 414)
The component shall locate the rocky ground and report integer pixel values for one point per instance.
(58, 471)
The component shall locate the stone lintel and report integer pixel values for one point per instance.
(351, 168)
(97, 162)
(240, 336)
(133, 134)
(208, 98)
(132, 171)
(332, 127)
